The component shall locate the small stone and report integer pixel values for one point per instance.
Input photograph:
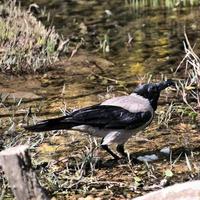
(89, 197)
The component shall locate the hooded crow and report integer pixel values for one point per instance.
(114, 120)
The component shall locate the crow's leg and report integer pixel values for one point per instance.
(105, 147)
(120, 149)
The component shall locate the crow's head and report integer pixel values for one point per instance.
(151, 91)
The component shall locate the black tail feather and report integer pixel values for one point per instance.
(51, 124)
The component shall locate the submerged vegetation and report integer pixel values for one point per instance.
(26, 44)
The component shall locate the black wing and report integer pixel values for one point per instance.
(106, 116)
(101, 116)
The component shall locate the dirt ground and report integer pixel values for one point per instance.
(71, 165)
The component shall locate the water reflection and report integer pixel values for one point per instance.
(156, 29)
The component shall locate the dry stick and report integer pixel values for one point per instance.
(16, 164)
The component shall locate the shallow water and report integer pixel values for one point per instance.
(155, 29)
(154, 45)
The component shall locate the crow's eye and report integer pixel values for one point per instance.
(153, 89)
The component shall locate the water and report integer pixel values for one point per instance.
(138, 39)
(156, 28)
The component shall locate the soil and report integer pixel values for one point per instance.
(71, 165)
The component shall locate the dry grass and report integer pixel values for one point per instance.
(137, 4)
(189, 86)
(26, 44)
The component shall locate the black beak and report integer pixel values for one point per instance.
(165, 84)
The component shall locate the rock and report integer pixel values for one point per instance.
(90, 197)
(184, 191)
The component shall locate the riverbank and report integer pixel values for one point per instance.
(71, 165)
